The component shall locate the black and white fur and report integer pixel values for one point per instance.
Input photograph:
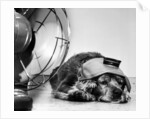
(65, 84)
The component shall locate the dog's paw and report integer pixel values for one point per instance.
(78, 95)
(86, 85)
(60, 95)
(104, 99)
(125, 98)
(91, 84)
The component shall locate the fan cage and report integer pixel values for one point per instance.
(64, 39)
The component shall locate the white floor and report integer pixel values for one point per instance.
(44, 101)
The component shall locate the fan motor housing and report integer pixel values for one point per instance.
(22, 33)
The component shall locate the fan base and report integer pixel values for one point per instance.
(22, 102)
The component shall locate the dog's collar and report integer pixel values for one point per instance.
(96, 67)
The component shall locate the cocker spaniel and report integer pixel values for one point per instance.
(90, 76)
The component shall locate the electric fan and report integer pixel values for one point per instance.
(41, 42)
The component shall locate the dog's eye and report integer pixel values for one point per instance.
(107, 78)
(119, 80)
(104, 82)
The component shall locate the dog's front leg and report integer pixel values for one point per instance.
(79, 95)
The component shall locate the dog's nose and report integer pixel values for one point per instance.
(117, 92)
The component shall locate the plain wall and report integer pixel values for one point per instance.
(110, 31)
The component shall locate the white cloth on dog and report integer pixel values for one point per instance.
(95, 67)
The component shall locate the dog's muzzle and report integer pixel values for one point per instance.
(115, 97)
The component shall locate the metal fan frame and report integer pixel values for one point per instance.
(62, 54)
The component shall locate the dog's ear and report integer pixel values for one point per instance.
(128, 84)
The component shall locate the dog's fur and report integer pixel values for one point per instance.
(107, 88)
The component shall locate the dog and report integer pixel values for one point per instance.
(84, 77)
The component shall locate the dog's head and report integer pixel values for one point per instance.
(107, 88)
(111, 85)
(112, 88)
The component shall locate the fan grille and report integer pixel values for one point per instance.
(54, 47)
